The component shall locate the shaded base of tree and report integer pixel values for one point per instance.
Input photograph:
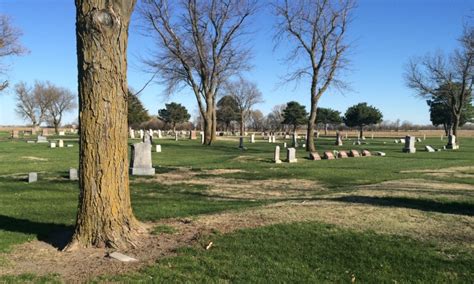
(120, 237)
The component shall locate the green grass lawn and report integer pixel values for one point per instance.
(297, 252)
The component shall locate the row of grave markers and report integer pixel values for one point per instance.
(328, 155)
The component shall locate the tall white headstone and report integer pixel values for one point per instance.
(141, 163)
(291, 155)
(277, 155)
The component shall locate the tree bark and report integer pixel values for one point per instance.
(312, 116)
(105, 217)
(455, 125)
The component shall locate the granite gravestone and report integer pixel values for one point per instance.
(141, 164)
(409, 145)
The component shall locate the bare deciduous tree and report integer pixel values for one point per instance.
(274, 120)
(246, 94)
(317, 30)
(9, 45)
(200, 46)
(446, 77)
(32, 104)
(60, 100)
(104, 217)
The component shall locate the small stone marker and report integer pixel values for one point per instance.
(176, 136)
(142, 133)
(193, 135)
(291, 155)
(61, 144)
(122, 257)
(381, 154)
(202, 138)
(52, 145)
(430, 149)
(452, 143)
(158, 148)
(366, 153)
(32, 177)
(403, 140)
(30, 142)
(284, 145)
(73, 174)
(69, 145)
(409, 145)
(424, 136)
(41, 139)
(338, 139)
(270, 139)
(314, 156)
(396, 141)
(159, 133)
(141, 164)
(328, 155)
(276, 158)
(62, 133)
(418, 140)
(354, 154)
(273, 139)
(342, 155)
(252, 138)
(15, 134)
(132, 133)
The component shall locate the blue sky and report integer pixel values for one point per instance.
(386, 32)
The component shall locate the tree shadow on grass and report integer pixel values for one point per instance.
(458, 208)
(57, 235)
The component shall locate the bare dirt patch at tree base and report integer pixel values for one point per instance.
(359, 210)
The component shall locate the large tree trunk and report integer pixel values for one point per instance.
(105, 217)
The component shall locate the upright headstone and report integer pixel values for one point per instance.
(409, 145)
(15, 134)
(140, 164)
(176, 136)
(273, 139)
(61, 144)
(142, 134)
(147, 138)
(291, 155)
(192, 135)
(132, 133)
(45, 132)
(276, 157)
(284, 145)
(62, 133)
(202, 137)
(372, 136)
(252, 138)
(52, 145)
(424, 136)
(158, 148)
(41, 139)
(269, 139)
(73, 174)
(159, 133)
(32, 177)
(452, 143)
(338, 139)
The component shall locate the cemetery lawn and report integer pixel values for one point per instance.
(403, 217)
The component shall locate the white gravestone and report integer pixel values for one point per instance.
(291, 155)
(338, 139)
(73, 174)
(61, 144)
(158, 148)
(252, 138)
(277, 155)
(32, 177)
(452, 143)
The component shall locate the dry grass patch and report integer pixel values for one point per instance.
(453, 172)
